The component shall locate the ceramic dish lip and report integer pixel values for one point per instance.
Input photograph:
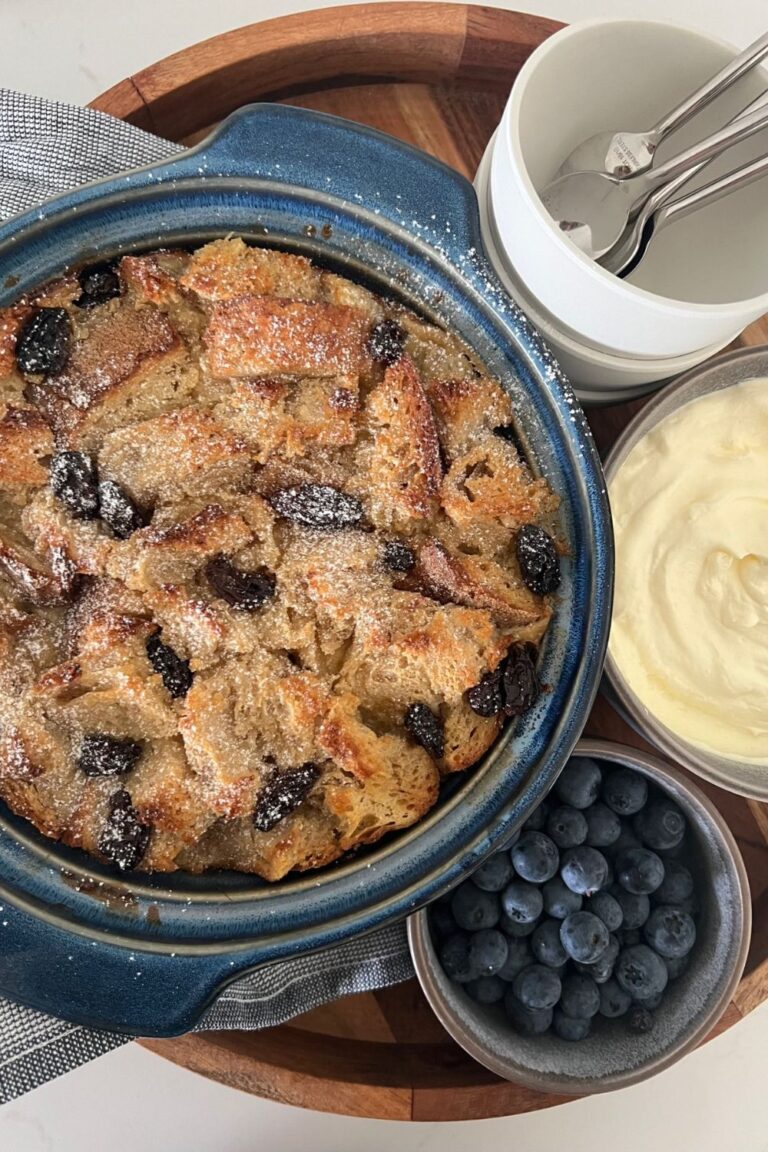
(461, 1028)
(511, 132)
(717, 769)
(415, 866)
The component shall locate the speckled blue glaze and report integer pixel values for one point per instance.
(145, 955)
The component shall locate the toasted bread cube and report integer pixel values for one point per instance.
(25, 440)
(467, 409)
(126, 364)
(224, 269)
(402, 465)
(260, 336)
(479, 582)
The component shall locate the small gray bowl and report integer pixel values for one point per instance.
(724, 371)
(612, 1057)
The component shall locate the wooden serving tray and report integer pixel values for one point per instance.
(436, 75)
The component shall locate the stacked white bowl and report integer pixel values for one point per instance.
(703, 279)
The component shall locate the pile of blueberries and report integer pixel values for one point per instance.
(590, 912)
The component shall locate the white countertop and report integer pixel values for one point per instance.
(130, 1100)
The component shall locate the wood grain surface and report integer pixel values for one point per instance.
(436, 75)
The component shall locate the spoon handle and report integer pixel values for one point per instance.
(739, 129)
(711, 192)
(713, 88)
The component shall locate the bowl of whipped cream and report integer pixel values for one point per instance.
(688, 652)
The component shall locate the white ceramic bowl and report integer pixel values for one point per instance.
(742, 777)
(598, 377)
(706, 277)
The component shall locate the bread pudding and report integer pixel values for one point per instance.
(271, 563)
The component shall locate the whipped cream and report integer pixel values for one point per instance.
(690, 619)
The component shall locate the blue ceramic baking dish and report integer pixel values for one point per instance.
(146, 954)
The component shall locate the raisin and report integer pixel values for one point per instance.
(73, 480)
(538, 559)
(118, 511)
(386, 342)
(486, 697)
(317, 506)
(282, 793)
(123, 838)
(246, 590)
(102, 755)
(520, 684)
(426, 729)
(99, 283)
(175, 672)
(398, 556)
(43, 344)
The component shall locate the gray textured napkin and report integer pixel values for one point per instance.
(47, 148)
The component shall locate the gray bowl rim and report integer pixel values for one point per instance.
(640, 717)
(466, 1036)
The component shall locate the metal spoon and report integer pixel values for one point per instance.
(702, 197)
(593, 208)
(619, 258)
(627, 153)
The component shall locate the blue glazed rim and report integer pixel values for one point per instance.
(143, 954)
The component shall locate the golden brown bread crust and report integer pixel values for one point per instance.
(217, 382)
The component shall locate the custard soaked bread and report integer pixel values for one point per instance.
(270, 563)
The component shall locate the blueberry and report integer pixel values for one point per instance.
(580, 996)
(627, 937)
(625, 840)
(614, 1001)
(537, 818)
(670, 931)
(538, 559)
(494, 873)
(43, 343)
(426, 728)
(625, 791)
(454, 958)
(640, 1020)
(73, 481)
(601, 969)
(603, 825)
(124, 838)
(518, 957)
(526, 1021)
(486, 989)
(676, 965)
(606, 908)
(690, 905)
(244, 590)
(535, 857)
(652, 1002)
(639, 871)
(282, 792)
(559, 901)
(635, 907)
(676, 886)
(660, 825)
(474, 909)
(441, 921)
(584, 870)
(515, 930)
(522, 902)
(641, 972)
(537, 987)
(572, 1028)
(488, 951)
(584, 937)
(547, 946)
(579, 782)
(567, 827)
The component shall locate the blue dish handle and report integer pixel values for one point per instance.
(375, 173)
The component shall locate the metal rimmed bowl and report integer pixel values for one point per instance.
(742, 777)
(145, 954)
(611, 1057)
